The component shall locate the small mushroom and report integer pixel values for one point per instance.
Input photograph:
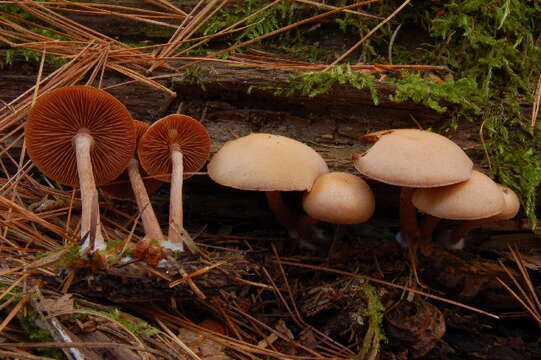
(81, 136)
(474, 200)
(413, 158)
(512, 204)
(170, 150)
(339, 198)
(269, 163)
(130, 185)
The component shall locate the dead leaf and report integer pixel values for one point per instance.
(58, 305)
(282, 328)
(202, 345)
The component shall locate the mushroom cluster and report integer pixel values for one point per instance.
(438, 179)
(83, 137)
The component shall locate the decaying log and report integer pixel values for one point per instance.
(330, 123)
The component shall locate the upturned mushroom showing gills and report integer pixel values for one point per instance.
(270, 163)
(474, 200)
(170, 150)
(413, 158)
(130, 185)
(81, 136)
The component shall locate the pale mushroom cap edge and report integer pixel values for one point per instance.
(478, 198)
(512, 204)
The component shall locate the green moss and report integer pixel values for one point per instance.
(70, 258)
(28, 55)
(374, 312)
(514, 152)
(35, 333)
(282, 14)
(110, 245)
(413, 87)
(140, 328)
(65, 261)
(496, 43)
(314, 83)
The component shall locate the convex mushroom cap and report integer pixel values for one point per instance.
(179, 132)
(121, 187)
(512, 204)
(61, 114)
(266, 162)
(477, 198)
(414, 158)
(339, 198)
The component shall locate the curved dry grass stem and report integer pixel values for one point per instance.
(527, 293)
(368, 35)
(536, 104)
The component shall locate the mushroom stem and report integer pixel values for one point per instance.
(148, 217)
(306, 228)
(408, 217)
(427, 227)
(463, 229)
(83, 143)
(281, 211)
(176, 221)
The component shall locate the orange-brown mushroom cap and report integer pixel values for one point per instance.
(121, 186)
(59, 115)
(182, 132)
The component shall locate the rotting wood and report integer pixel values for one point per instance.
(331, 123)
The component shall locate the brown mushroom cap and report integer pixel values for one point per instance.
(340, 198)
(182, 132)
(477, 198)
(266, 162)
(414, 158)
(59, 115)
(512, 204)
(121, 187)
